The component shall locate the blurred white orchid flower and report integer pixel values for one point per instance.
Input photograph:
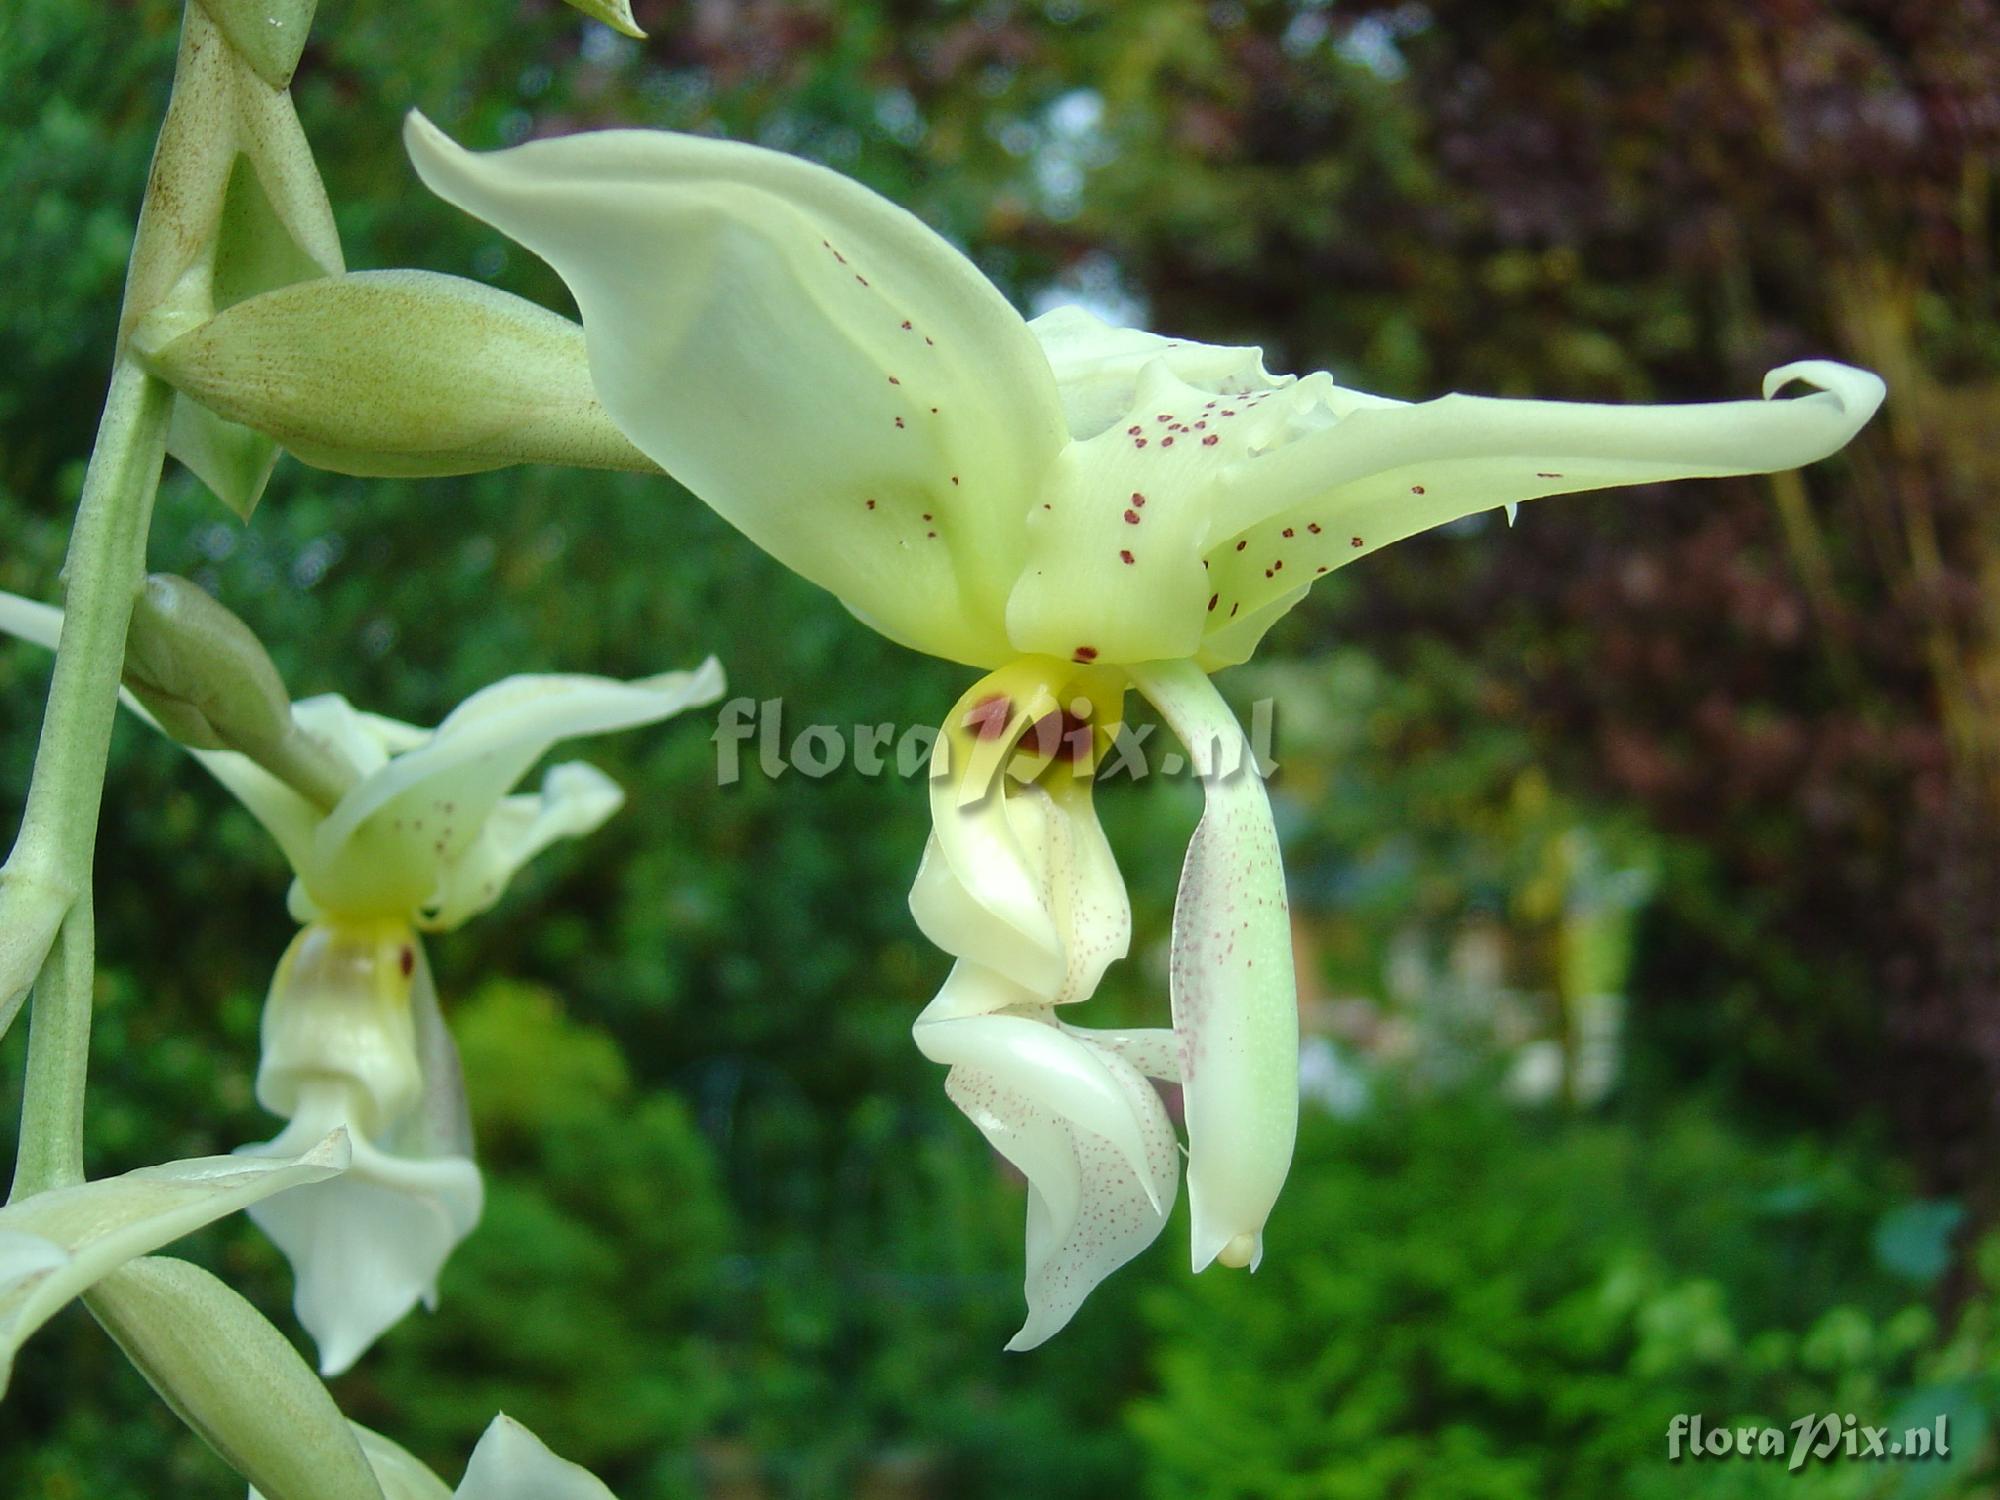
(508, 1463)
(424, 836)
(854, 395)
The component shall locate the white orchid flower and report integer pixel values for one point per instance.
(508, 1463)
(425, 836)
(851, 393)
(57, 1244)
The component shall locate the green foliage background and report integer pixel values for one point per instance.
(1723, 752)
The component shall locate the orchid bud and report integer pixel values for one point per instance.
(617, 14)
(234, 1379)
(339, 1008)
(206, 677)
(401, 373)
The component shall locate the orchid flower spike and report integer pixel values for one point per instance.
(1074, 508)
(424, 836)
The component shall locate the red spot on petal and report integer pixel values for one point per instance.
(1289, 531)
(1138, 442)
(1320, 569)
(1211, 602)
(1131, 518)
(871, 504)
(1241, 545)
(1313, 527)
(1416, 489)
(906, 325)
(1134, 430)
(1125, 557)
(894, 381)
(1166, 442)
(899, 421)
(1138, 499)
(1278, 566)
(987, 718)
(1085, 653)
(1234, 607)
(407, 961)
(1209, 441)
(1357, 542)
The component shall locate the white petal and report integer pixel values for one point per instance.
(402, 1475)
(1089, 1210)
(1097, 365)
(1035, 866)
(389, 843)
(56, 1244)
(575, 799)
(1235, 1000)
(1055, 1072)
(1153, 1050)
(791, 346)
(1381, 473)
(366, 1247)
(511, 1463)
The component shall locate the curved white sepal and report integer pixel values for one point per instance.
(425, 808)
(57, 1244)
(1384, 472)
(1235, 999)
(832, 377)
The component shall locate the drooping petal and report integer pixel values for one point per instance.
(56, 1244)
(1382, 472)
(1235, 1000)
(825, 371)
(389, 843)
(511, 1463)
(367, 1251)
(1091, 1206)
(1055, 1072)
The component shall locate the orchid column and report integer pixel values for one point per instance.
(1075, 509)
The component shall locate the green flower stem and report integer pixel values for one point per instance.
(51, 862)
(50, 1153)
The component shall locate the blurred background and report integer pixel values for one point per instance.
(1644, 858)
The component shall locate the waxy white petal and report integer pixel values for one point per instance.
(366, 1249)
(1093, 1204)
(388, 846)
(1098, 366)
(1053, 1071)
(56, 1244)
(1384, 472)
(511, 1463)
(1024, 883)
(816, 364)
(1235, 999)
